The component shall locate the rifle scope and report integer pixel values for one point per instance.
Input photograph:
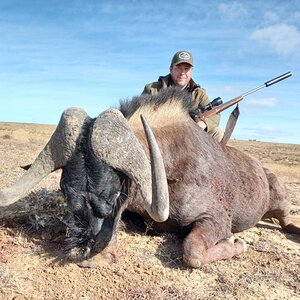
(212, 104)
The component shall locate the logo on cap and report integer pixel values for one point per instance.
(184, 55)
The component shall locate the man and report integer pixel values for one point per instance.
(181, 71)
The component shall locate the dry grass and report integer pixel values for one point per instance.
(144, 267)
(9, 281)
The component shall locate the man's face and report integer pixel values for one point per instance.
(181, 74)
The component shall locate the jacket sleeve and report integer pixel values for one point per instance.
(151, 88)
(201, 98)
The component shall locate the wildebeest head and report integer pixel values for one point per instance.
(95, 182)
(114, 153)
(96, 195)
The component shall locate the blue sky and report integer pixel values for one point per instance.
(57, 54)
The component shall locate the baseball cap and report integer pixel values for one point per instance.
(182, 57)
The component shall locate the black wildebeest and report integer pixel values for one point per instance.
(208, 190)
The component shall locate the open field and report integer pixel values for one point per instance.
(143, 266)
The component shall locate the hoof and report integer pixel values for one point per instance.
(239, 243)
(244, 245)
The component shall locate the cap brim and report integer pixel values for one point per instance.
(182, 62)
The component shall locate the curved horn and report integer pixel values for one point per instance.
(115, 143)
(54, 156)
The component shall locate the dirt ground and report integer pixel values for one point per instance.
(143, 266)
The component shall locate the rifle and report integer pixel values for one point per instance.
(217, 104)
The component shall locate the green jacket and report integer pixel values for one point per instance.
(198, 94)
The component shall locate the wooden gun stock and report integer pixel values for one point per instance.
(220, 108)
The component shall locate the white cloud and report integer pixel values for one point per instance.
(271, 17)
(232, 10)
(265, 102)
(282, 38)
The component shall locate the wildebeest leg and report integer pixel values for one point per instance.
(280, 205)
(203, 246)
(54, 156)
(289, 223)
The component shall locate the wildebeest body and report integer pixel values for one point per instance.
(223, 189)
(214, 190)
(208, 180)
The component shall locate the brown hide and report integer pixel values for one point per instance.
(207, 180)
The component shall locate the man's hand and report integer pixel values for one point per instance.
(202, 124)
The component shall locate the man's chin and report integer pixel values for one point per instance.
(181, 84)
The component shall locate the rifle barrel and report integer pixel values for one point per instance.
(229, 103)
(279, 78)
(268, 83)
(253, 90)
